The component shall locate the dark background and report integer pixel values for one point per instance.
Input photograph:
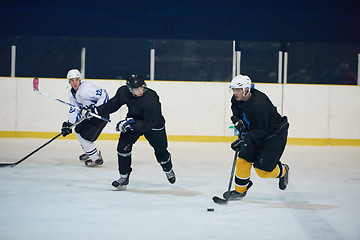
(324, 21)
(193, 40)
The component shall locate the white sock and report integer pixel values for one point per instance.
(89, 148)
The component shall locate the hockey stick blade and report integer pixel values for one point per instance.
(7, 165)
(27, 156)
(219, 201)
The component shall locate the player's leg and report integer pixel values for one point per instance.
(124, 149)
(87, 132)
(242, 180)
(242, 173)
(91, 151)
(158, 140)
(267, 163)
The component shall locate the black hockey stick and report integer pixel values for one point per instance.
(24, 158)
(27, 156)
(219, 200)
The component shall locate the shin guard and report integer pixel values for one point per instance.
(242, 175)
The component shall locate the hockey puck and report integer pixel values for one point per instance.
(210, 209)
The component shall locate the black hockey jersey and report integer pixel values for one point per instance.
(260, 115)
(145, 110)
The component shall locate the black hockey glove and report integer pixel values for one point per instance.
(66, 128)
(240, 146)
(238, 124)
(125, 125)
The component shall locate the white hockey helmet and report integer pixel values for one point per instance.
(243, 82)
(73, 73)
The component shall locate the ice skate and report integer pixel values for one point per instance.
(121, 183)
(234, 195)
(283, 182)
(171, 176)
(83, 157)
(91, 163)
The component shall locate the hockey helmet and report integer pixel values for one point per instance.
(73, 73)
(243, 82)
(134, 81)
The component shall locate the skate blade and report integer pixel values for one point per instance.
(120, 188)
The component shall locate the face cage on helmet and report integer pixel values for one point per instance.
(134, 89)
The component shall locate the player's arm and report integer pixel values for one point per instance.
(114, 103)
(74, 114)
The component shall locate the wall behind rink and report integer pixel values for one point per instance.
(194, 111)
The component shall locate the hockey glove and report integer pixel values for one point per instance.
(125, 125)
(85, 112)
(238, 124)
(66, 128)
(240, 146)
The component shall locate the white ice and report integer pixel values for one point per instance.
(52, 195)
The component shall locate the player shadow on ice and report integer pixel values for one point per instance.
(174, 190)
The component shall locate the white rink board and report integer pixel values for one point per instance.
(344, 112)
(192, 108)
(307, 108)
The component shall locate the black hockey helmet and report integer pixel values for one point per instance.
(135, 81)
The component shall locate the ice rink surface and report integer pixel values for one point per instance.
(52, 195)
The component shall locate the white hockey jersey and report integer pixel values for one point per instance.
(86, 95)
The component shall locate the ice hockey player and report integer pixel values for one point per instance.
(86, 97)
(263, 140)
(144, 117)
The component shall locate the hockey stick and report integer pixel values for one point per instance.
(27, 156)
(36, 89)
(219, 200)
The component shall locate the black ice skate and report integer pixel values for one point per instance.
(283, 182)
(121, 183)
(234, 195)
(83, 157)
(171, 176)
(91, 163)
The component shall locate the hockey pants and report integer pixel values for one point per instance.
(157, 139)
(265, 159)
